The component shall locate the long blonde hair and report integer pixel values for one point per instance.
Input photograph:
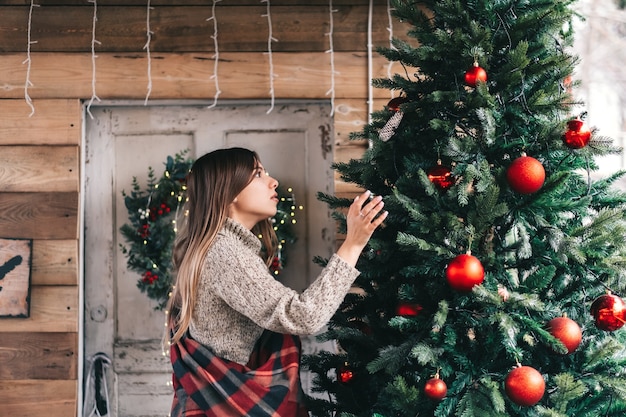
(214, 181)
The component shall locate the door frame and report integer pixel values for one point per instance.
(83, 161)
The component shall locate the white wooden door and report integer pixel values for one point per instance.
(294, 143)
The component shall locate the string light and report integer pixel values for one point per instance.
(391, 46)
(270, 39)
(93, 57)
(370, 91)
(216, 55)
(147, 48)
(28, 61)
(331, 51)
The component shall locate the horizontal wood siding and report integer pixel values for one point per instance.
(39, 199)
(302, 75)
(40, 154)
(187, 29)
(55, 122)
(37, 398)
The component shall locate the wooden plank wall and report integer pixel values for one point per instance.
(40, 147)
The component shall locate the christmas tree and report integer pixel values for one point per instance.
(493, 288)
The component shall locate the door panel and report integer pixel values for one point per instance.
(121, 143)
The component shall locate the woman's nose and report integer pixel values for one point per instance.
(274, 183)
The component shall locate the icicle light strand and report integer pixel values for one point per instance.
(216, 55)
(331, 51)
(270, 39)
(390, 30)
(370, 90)
(93, 57)
(147, 48)
(27, 61)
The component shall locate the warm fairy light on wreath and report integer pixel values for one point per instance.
(152, 227)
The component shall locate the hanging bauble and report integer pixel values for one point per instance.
(392, 124)
(474, 75)
(435, 388)
(394, 103)
(577, 134)
(525, 386)
(567, 331)
(345, 373)
(609, 311)
(464, 272)
(525, 175)
(408, 309)
(441, 176)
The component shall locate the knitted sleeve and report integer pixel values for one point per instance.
(244, 282)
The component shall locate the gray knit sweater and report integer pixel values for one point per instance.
(238, 297)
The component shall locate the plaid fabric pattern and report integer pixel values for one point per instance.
(267, 386)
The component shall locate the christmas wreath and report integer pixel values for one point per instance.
(151, 230)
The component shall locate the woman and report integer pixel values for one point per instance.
(231, 322)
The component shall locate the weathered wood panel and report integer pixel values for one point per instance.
(39, 168)
(188, 29)
(37, 398)
(53, 353)
(145, 395)
(39, 215)
(56, 122)
(55, 262)
(141, 356)
(189, 76)
(53, 309)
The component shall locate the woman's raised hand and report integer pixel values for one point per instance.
(364, 216)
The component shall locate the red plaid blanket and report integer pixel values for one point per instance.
(267, 386)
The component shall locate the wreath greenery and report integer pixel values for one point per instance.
(151, 227)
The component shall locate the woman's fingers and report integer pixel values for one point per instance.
(368, 209)
(372, 208)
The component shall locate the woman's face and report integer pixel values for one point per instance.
(257, 201)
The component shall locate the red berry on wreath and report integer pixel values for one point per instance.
(567, 331)
(525, 386)
(525, 175)
(435, 388)
(464, 272)
(577, 134)
(475, 75)
(609, 311)
(441, 176)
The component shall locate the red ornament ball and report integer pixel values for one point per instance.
(525, 175)
(464, 272)
(345, 373)
(394, 103)
(435, 389)
(408, 309)
(609, 311)
(474, 75)
(525, 386)
(441, 176)
(577, 135)
(567, 331)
